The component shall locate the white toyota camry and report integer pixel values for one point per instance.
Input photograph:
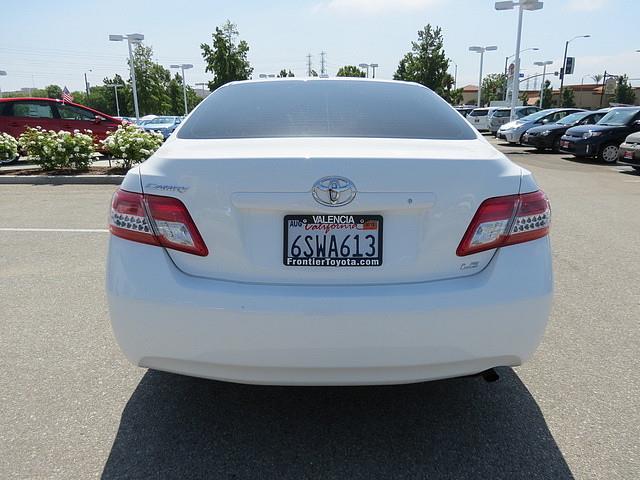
(328, 232)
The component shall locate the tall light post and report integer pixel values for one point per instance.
(365, 65)
(115, 91)
(455, 74)
(522, 6)
(183, 67)
(132, 39)
(544, 72)
(481, 51)
(373, 69)
(563, 68)
(3, 73)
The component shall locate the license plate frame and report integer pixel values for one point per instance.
(323, 225)
(564, 144)
(628, 155)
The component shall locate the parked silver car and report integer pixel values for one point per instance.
(513, 131)
(500, 116)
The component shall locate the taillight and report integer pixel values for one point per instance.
(502, 221)
(155, 220)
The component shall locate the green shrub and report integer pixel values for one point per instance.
(132, 144)
(53, 150)
(8, 148)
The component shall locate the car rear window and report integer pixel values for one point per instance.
(479, 113)
(501, 113)
(325, 108)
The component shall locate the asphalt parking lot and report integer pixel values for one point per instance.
(72, 407)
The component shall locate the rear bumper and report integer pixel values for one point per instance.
(513, 136)
(579, 148)
(323, 335)
(629, 155)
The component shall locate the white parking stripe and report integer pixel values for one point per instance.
(71, 230)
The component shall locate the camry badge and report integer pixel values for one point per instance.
(334, 191)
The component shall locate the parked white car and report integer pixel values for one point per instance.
(328, 232)
(479, 118)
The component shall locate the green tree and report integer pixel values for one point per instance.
(568, 99)
(427, 63)
(226, 58)
(152, 80)
(547, 94)
(53, 91)
(176, 96)
(624, 91)
(284, 73)
(350, 71)
(493, 86)
(456, 97)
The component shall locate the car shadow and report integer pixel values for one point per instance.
(181, 427)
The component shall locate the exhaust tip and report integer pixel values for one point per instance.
(490, 375)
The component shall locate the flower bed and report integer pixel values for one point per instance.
(58, 150)
(131, 144)
(8, 148)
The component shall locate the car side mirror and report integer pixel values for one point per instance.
(98, 119)
(545, 121)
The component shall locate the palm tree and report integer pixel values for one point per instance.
(597, 77)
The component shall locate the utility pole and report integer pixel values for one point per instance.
(375, 65)
(115, 90)
(86, 84)
(308, 64)
(323, 73)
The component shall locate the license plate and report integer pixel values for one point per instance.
(628, 155)
(332, 241)
(564, 144)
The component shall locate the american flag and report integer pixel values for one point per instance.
(66, 95)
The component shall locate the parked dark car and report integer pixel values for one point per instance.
(603, 139)
(16, 114)
(548, 136)
(629, 153)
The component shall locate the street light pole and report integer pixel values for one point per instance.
(544, 73)
(183, 67)
(3, 73)
(522, 5)
(481, 51)
(455, 75)
(563, 68)
(365, 65)
(373, 69)
(132, 38)
(115, 91)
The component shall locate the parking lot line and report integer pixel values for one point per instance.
(63, 230)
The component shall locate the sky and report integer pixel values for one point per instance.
(45, 42)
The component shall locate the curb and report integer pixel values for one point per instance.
(61, 179)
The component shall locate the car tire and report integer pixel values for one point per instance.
(540, 149)
(608, 153)
(556, 145)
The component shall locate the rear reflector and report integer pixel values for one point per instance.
(155, 220)
(508, 220)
